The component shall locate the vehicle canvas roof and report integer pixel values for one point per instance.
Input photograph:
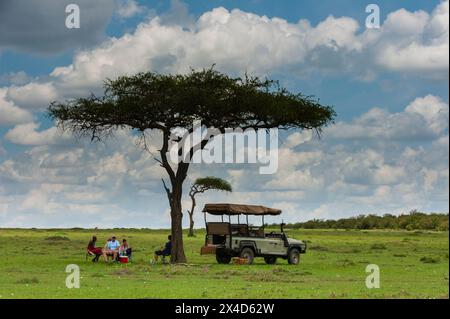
(238, 209)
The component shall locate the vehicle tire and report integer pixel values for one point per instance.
(223, 258)
(294, 256)
(270, 260)
(248, 254)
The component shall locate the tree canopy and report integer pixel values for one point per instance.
(203, 184)
(165, 101)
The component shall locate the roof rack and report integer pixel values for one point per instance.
(238, 209)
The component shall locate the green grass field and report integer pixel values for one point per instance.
(412, 265)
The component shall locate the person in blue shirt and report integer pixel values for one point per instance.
(111, 249)
(166, 251)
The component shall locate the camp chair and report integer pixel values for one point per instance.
(163, 258)
(91, 254)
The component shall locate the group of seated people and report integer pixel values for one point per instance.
(113, 249)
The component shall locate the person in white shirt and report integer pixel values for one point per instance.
(111, 249)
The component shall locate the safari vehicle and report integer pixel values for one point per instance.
(228, 240)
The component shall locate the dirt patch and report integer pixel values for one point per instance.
(345, 263)
(319, 248)
(122, 272)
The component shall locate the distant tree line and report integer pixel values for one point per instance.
(412, 221)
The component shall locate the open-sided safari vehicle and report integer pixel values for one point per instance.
(228, 240)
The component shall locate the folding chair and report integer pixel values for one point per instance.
(91, 254)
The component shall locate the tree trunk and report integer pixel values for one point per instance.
(176, 215)
(191, 216)
(174, 195)
(191, 225)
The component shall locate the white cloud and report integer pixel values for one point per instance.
(298, 179)
(27, 134)
(237, 40)
(11, 114)
(416, 42)
(424, 118)
(433, 109)
(33, 95)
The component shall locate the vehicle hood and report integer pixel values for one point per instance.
(292, 241)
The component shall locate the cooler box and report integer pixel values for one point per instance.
(123, 259)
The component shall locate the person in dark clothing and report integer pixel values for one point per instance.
(97, 251)
(166, 251)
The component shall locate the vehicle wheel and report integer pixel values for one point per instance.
(270, 260)
(294, 256)
(223, 258)
(248, 254)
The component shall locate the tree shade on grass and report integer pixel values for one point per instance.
(164, 102)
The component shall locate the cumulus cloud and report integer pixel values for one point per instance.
(33, 95)
(10, 113)
(266, 45)
(363, 170)
(121, 185)
(424, 118)
(415, 41)
(75, 180)
(27, 134)
(238, 41)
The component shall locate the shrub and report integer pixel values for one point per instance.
(430, 260)
(33, 280)
(57, 238)
(378, 246)
(412, 221)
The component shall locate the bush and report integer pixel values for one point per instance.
(33, 280)
(57, 238)
(378, 246)
(413, 221)
(430, 260)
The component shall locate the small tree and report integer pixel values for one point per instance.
(200, 186)
(166, 102)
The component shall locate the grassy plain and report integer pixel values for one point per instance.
(412, 265)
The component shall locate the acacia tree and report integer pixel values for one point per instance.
(200, 186)
(165, 102)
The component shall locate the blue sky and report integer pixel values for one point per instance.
(389, 87)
